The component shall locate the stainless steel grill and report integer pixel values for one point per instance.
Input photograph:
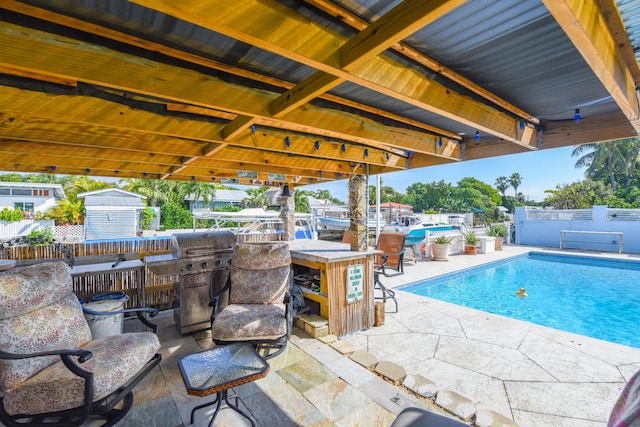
(202, 262)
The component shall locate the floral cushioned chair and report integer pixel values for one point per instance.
(259, 310)
(51, 371)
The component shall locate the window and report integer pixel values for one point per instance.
(40, 193)
(21, 192)
(24, 206)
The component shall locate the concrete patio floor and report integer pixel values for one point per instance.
(531, 374)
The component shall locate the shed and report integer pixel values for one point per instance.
(111, 213)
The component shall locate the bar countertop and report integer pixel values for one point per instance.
(325, 251)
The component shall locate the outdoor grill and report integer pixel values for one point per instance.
(202, 262)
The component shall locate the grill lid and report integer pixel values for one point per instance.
(207, 243)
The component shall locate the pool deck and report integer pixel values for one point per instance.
(531, 374)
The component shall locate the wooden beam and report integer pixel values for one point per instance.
(92, 28)
(399, 23)
(270, 26)
(584, 24)
(33, 50)
(22, 104)
(356, 22)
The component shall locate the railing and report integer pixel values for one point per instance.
(585, 244)
(107, 247)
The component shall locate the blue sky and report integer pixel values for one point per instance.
(540, 171)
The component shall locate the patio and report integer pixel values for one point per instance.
(531, 374)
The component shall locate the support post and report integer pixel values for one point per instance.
(358, 213)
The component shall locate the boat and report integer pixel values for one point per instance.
(255, 221)
(341, 224)
(415, 229)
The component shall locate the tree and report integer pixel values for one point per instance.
(580, 195)
(255, 198)
(614, 160)
(301, 200)
(175, 216)
(515, 180)
(502, 184)
(434, 196)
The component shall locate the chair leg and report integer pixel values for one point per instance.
(386, 293)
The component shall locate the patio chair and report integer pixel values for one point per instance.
(385, 292)
(418, 417)
(390, 261)
(51, 370)
(259, 311)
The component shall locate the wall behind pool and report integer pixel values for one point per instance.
(541, 227)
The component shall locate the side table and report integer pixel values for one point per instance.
(219, 369)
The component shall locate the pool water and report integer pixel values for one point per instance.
(588, 296)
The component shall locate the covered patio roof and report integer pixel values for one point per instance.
(267, 92)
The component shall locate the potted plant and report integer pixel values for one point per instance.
(440, 247)
(470, 242)
(498, 231)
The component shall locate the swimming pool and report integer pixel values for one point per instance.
(590, 296)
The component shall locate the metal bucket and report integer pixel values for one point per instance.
(104, 325)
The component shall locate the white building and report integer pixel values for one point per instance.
(30, 196)
(111, 213)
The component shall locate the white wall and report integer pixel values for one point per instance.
(541, 227)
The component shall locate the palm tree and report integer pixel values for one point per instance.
(515, 180)
(502, 184)
(613, 159)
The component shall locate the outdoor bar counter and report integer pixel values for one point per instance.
(346, 282)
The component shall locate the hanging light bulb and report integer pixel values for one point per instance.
(287, 141)
(521, 124)
(387, 156)
(440, 141)
(477, 137)
(344, 148)
(576, 116)
(317, 145)
(366, 152)
(253, 128)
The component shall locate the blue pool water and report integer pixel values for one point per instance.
(588, 296)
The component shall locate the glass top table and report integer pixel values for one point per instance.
(219, 369)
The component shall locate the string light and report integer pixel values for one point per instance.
(145, 174)
(213, 178)
(576, 116)
(253, 128)
(477, 137)
(366, 152)
(54, 168)
(317, 145)
(440, 141)
(409, 153)
(193, 178)
(88, 170)
(344, 148)
(387, 156)
(521, 124)
(287, 141)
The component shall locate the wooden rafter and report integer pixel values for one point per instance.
(280, 30)
(584, 24)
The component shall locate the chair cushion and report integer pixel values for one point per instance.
(267, 286)
(57, 325)
(261, 256)
(242, 322)
(25, 289)
(116, 359)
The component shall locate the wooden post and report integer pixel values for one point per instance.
(358, 213)
(287, 211)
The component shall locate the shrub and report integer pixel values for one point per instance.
(470, 238)
(497, 230)
(40, 237)
(11, 215)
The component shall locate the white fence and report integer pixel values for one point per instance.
(63, 233)
(601, 228)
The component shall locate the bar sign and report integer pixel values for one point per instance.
(355, 283)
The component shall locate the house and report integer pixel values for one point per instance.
(30, 197)
(223, 198)
(111, 213)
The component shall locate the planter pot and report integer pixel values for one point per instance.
(470, 249)
(499, 241)
(440, 251)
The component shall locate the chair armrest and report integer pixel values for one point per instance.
(216, 298)
(83, 355)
